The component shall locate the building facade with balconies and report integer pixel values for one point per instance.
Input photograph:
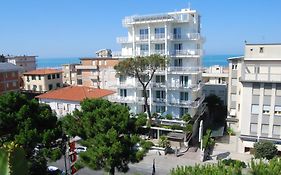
(97, 72)
(69, 75)
(256, 98)
(177, 89)
(9, 77)
(28, 63)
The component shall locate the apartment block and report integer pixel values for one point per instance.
(177, 89)
(28, 63)
(215, 80)
(97, 72)
(255, 95)
(69, 75)
(9, 77)
(42, 80)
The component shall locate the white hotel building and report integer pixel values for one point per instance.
(254, 97)
(177, 89)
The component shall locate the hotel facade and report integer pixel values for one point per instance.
(177, 89)
(254, 103)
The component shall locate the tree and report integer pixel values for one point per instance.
(107, 131)
(27, 123)
(265, 149)
(142, 68)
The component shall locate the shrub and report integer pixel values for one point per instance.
(146, 145)
(141, 120)
(188, 128)
(163, 142)
(231, 162)
(273, 167)
(265, 149)
(169, 117)
(176, 127)
(230, 131)
(208, 142)
(186, 117)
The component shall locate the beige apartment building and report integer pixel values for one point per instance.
(254, 98)
(97, 72)
(69, 75)
(42, 80)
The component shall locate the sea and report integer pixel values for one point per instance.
(208, 60)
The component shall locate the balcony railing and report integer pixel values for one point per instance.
(158, 36)
(187, 36)
(158, 85)
(189, 52)
(175, 69)
(124, 39)
(160, 52)
(159, 100)
(194, 87)
(125, 85)
(187, 103)
(121, 99)
(141, 100)
(143, 37)
(86, 67)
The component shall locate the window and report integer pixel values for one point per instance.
(123, 92)
(67, 107)
(34, 87)
(39, 77)
(253, 127)
(94, 63)
(159, 32)
(178, 46)
(33, 77)
(159, 47)
(79, 81)
(266, 109)
(277, 110)
(178, 62)
(40, 87)
(147, 93)
(160, 94)
(53, 76)
(27, 78)
(276, 130)
(234, 66)
(58, 75)
(122, 79)
(184, 81)
(58, 85)
(144, 47)
(183, 111)
(50, 86)
(264, 129)
(28, 87)
(257, 70)
(59, 105)
(255, 109)
(143, 34)
(160, 79)
(49, 77)
(160, 109)
(184, 96)
(177, 33)
(261, 49)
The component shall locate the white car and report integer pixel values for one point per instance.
(80, 149)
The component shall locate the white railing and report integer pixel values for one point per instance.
(194, 87)
(141, 100)
(187, 36)
(187, 103)
(122, 39)
(159, 100)
(158, 36)
(158, 85)
(183, 69)
(192, 52)
(121, 99)
(86, 67)
(142, 53)
(119, 54)
(143, 37)
(160, 52)
(125, 85)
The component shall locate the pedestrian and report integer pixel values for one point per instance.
(153, 167)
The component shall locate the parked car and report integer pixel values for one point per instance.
(80, 149)
(52, 170)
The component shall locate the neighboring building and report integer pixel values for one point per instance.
(104, 53)
(215, 80)
(42, 80)
(28, 63)
(97, 72)
(9, 77)
(69, 74)
(177, 89)
(255, 95)
(65, 100)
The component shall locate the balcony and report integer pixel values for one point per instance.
(143, 37)
(187, 36)
(142, 53)
(179, 86)
(85, 67)
(157, 37)
(125, 85)
(159, 100)
(189, 52)
(120, 99)
(187, 103)
(140, 100)
(181, 69)
(118, 54)
(123, 40)
(158, 85)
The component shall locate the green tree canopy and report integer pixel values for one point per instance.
(142, 68)
(27, 123)
(265, 149)
(108, 132)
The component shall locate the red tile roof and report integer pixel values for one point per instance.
(75, 93)
(43, 72)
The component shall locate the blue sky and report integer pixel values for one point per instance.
(76, 28)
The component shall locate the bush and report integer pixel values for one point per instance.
(186, 117)
(176, 127)
(146, 144)
(163, 142)
(231, 162)
(273, 167)
(188, 128)
(265, 149)
(169, 117)
(208, 142)
(141, 120)
(230, 131)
